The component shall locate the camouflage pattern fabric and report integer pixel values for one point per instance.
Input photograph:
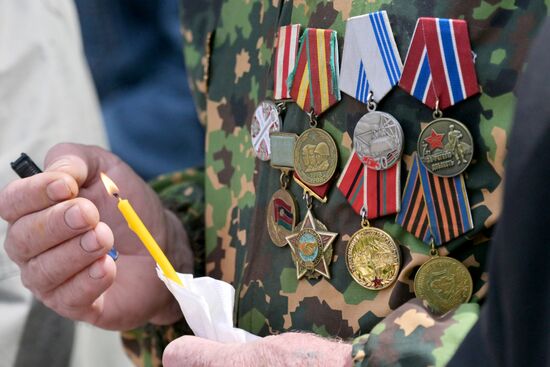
(413, 337)
(228, 46)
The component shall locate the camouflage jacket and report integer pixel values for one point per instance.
(228, 47)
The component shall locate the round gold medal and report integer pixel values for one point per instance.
(373, 258)
(444, 283)
(281, 216)
(315, 157)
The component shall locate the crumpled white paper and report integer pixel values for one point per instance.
(207, 305)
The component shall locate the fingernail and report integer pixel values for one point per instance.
(97, 270)
(58, 190)
(74, 218)
(89, 243)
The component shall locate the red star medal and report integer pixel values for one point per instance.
(435, 140)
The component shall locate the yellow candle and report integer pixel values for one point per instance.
(137, 226)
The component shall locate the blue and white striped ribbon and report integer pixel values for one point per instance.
(370, 60)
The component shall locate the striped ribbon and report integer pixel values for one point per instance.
(314, 81)
(285, 59)
(370, 59)
(433, 206)
(379, 192)
(439, 64)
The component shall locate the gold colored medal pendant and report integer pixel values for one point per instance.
(315, 155)
(281, 213)
(373, 258)
(445, 146)
(443, 282)
(311, 245)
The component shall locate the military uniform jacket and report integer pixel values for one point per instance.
(229, 52)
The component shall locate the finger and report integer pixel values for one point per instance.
(31, 194)
(79, 297)
(80, 161)
(37, 232)
(50, 269)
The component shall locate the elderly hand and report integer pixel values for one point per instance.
(288, 349)
(61, 225)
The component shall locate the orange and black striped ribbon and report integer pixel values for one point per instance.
(433, 206)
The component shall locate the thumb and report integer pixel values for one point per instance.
(82, 162)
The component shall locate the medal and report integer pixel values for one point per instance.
(266, 120)
(314, 87)
(311, 247)
(378, 140)
(315, 156)
(372, 257)
(439, 71)
(445, 147)
(443, 282)
(281, 214)
(281, 210)
(371, 67)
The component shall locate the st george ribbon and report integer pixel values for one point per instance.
(434, 207)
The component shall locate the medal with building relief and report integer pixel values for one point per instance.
(378, 140)
(266, 120)
(311, 246)
(372, 258)
(315, 156)
(443, 282)
(445, 147)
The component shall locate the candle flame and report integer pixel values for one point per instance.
(109, 184)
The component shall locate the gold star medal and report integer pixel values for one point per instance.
(310, 245)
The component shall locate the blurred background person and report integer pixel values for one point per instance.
(134, 52)
(46, 97)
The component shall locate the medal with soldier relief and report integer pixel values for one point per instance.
(445, 147)
(439, 71)
(315, 155)
(314, 87)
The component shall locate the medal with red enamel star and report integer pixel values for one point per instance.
(311, 246)
(435, 140)
(445, 147)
